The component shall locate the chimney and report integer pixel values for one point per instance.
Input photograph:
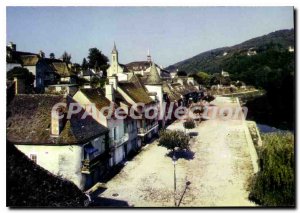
(109, 92)
(12, 46)
(114, 81)
(42, 54)
(19, 86)
(56, 122)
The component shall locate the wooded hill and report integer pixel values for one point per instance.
(217, 59)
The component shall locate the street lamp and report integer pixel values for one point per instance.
(174, 163)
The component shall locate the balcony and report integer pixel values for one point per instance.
(89, 165)
(118, 142)
(145, 131)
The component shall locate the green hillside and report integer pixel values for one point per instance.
(217, 59)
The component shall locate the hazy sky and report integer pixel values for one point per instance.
(171, 33)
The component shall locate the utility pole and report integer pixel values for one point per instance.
(174, 163)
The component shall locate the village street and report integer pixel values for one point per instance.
(218, 169)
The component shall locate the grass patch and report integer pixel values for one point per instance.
(274, 184)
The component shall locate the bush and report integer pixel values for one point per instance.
(172, 139)
(274, 184)
(189, 124)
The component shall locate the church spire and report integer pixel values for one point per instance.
(114, 49)
(148, 56)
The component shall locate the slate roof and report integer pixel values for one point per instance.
(87, 72)
(144, 65)
(97, 97)
(135, 91)
(138, 65)
(173, 96)
(62, 69)
(29, 122)
(16, 55)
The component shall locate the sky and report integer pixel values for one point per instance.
(171, 34)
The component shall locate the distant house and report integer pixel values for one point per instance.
(251, 52)
(144, 67)
(47, 71)
(62, 89)
(124, 72)
(75, 148)
(224, 74)
(64, 73)
(291, 49)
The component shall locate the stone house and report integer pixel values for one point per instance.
(73, 148)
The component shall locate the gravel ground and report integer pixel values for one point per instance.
(218, 171)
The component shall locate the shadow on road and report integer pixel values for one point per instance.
(185, 154)
(108, 202)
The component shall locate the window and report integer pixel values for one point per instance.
(126, 127)
(115, 133)
(33, 157)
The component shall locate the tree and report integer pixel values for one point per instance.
(84, 64)
(66, 57)
(76, 68)
(189, 124)
(181, 73)
(201, 78)
(172, 139)
(208, 98)
(97, 60)
(95, 82)
(52, 56)
(24, 74)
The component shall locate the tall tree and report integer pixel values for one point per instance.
(84, 64)
(97, 60)
(66, 57)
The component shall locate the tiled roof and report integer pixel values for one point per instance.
(29, 122)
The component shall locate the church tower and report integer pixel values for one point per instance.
(114, 55)
(114, 65)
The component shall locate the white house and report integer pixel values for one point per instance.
(104, 100)
(143, 68)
